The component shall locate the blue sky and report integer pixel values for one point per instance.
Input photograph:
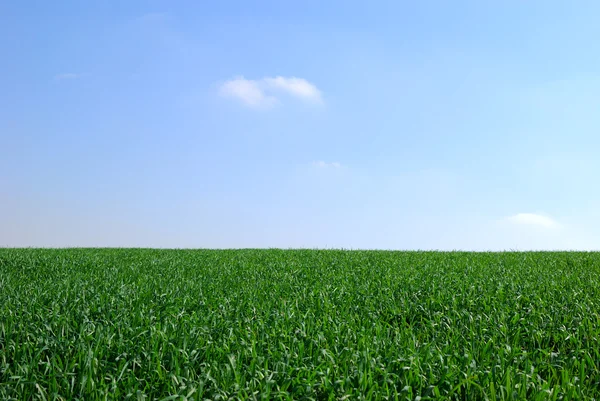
(396, 125)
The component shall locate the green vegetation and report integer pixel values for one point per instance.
(270, 324)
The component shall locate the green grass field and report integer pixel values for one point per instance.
(270, 324)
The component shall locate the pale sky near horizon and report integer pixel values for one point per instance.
(467, 125)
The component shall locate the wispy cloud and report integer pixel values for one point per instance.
(532, 219)
(263, 93)
(322, 164)
(68, 75)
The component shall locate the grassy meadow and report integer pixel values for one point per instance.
(143, 324)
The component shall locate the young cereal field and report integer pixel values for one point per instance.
(142, 324)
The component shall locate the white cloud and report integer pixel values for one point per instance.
(262, 93)
(248, 92)
(322, 164)
(67, 75)
(297, 87)
(532, 219)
